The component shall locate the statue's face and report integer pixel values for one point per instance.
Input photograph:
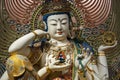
(58, 26)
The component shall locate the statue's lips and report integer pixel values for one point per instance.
(60, 32)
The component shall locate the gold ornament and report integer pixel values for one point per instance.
(16, 65)
(109, 38)
(55, 6)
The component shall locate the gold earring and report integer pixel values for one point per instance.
(48, 37)
(41, 25)
(71, 34)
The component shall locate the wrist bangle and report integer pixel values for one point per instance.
(48, 69)
(101, 53)
(35, 34)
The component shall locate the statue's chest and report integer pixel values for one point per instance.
(62, 53)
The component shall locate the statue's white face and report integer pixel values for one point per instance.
(58, 26)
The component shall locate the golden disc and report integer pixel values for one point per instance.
(109, 38)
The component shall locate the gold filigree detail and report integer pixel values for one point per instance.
(109, 38)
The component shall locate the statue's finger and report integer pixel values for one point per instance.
(88, 50)
(83, 51)
(56, 61)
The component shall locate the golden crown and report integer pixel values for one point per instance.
(52, 6)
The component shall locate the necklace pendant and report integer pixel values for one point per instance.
(61, 56)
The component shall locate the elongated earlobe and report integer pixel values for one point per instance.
(44, 25)
(71, 34)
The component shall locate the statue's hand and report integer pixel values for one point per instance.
(40, 32)
(104, 48)
(85, 57)
(54, 65)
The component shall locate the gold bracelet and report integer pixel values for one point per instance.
(13, 53)
(94, 62)
(80, 71)
(35, 34)
(101, 53)
(48, 69)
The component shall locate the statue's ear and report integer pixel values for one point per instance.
(45, 25)
(71, 25)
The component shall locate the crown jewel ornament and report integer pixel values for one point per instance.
(52, 6)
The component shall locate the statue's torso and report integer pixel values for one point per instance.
(69, 53)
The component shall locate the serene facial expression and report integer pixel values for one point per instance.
(58, 26)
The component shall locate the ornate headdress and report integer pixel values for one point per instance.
(55, 6)
(52, 6)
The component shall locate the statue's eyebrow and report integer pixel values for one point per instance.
(58, 19)
(62, 19)
(53, 20)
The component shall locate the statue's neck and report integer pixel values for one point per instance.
(59, 42)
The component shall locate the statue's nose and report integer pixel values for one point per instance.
(59, 27)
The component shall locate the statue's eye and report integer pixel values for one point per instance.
(54, 24)
(64, 23)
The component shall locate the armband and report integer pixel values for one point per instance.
(35, 34)
(101, 53)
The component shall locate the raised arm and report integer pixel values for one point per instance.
(102, 61)
(21, 44)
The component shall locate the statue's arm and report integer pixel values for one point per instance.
(102, 64)
(44, 72)
(102, 61)
(21, 44)
(5, 76)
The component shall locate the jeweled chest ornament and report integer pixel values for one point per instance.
(61, 56)
(62, 53)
